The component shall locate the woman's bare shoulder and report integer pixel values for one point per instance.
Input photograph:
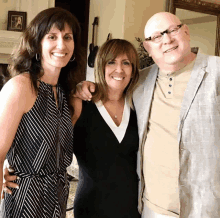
(18, 90)
(20, 82)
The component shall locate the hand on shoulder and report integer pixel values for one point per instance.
(84, 90)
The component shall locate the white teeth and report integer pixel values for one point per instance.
(58, 55)
(170, 49)
(117, 78)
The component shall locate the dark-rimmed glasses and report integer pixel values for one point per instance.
(157, 37)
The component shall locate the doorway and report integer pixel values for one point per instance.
(81, 10)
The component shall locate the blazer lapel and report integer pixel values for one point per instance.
(195, 80)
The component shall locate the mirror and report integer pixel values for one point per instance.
(202, 28)
(203, 20)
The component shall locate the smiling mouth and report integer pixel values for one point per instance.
(118, 78)
(169, 50)
(59, 54)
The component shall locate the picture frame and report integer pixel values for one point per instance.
(17, 21)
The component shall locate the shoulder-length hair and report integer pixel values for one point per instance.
(23, 58)
(108, 52)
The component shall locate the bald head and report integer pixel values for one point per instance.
(172, 51)
(159, 21)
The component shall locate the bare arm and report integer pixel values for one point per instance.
(77, 105)
(13, 98)
(84, 90)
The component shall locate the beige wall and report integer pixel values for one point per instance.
(202, 32)
(111, 19)
(5, 6)
(32, 7)
(123, 18)
(203, 36)
(137, 12)
(127, 18)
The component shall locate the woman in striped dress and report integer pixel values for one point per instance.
(35, 115)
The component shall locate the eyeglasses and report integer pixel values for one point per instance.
(157, 37)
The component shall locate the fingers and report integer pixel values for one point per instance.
(10, 178)
(92, 87)
(8, 185)
(7, 181)
(84, 89)
(6, 189)
(8, 175)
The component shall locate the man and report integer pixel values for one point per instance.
(177, 103)
(177, 106)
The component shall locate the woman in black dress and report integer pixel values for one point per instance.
(106, 138)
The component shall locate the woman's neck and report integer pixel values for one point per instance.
(115, 96)
(50, 77)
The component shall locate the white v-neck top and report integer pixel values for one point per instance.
(120, 130)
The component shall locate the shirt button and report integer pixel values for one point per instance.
(170, 85)
(169, 92)
(171, 79)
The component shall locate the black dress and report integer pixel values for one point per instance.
(108, 183)
(41, 151)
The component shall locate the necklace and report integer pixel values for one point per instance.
(115, 108)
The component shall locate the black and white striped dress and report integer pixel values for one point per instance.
(40, 153)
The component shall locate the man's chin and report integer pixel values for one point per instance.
(173, 60)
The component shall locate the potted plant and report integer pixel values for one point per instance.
(144, 59)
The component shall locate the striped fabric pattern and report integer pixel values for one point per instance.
(40, 153)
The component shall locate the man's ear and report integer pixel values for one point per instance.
(186, 29)
(147, 47)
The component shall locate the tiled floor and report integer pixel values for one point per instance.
(73, 185)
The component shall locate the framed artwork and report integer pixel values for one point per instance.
(17, 21)
(211, 7)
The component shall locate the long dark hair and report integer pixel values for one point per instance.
(23, 58)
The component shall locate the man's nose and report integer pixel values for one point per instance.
(167, 38)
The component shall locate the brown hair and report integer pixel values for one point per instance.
(23, 58)
(109, 51)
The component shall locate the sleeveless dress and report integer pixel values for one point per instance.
(108, 182)
(41, 151)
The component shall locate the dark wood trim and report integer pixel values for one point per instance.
(217, 41)
(81, 11)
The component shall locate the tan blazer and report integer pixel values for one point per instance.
(198, 136)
